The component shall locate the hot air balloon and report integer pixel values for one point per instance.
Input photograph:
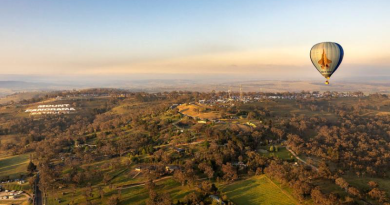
(326, 57)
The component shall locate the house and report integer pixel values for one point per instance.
(240, 165)
(217, 199)
(179, 150)
(171, 168)
(145, 168)
(173, 106)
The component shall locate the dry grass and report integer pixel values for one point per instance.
(199, 111)
(13, 166)
(257, 190)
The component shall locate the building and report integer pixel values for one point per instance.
(240, 165)
(171, 168)
(180, 150)
(217, 199)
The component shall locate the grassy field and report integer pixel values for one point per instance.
(20, 96)
(285, 107)
(13, 166)
(134, 195)
(257, 190)
(282, 153)
(138, 195)
(362, 182)
(200, 111)
(327, 186)
(16, 186)
(12, 112)
(14, 202)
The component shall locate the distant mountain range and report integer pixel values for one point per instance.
(10, 87)
(22, 85)
(161, 85)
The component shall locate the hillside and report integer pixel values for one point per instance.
(121, 147)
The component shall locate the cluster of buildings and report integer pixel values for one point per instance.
(290, 96)
(10, 194)
(52, 110)
(149, 168)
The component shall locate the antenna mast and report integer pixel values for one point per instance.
(241, 97)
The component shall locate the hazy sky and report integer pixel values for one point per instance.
(258, 38)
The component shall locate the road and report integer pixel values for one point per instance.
(37, 193)
(301, 160)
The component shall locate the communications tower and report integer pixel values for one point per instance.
(241, 96)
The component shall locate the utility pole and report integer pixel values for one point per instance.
(241, 96)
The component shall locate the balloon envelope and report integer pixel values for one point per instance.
(326, 57)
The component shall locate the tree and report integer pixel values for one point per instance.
(230, 172)
(122, 145)
(101, 192)
(193, 198)
(342, 183)
(150, 185)
(354, 191)
(251, 115)
(208, 188)
(295, 142)
(324, 170)
(302, 126)
(372, 184)
(113, 200)
(31, 181)
(378, 194)
(31, 168)
(317, 196)
(179, 176)
(106, 178)
(301, 189)
(207, 169)
(280, 133)
(158, 198)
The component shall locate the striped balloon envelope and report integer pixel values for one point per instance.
(326, 57)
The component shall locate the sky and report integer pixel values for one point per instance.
(255, 39)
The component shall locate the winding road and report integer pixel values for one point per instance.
(301, 160)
